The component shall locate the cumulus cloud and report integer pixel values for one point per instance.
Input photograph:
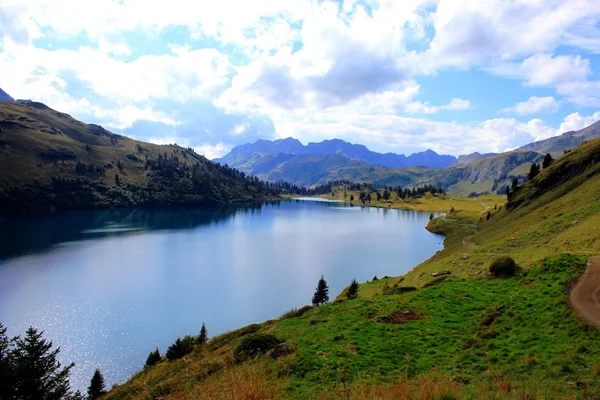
(213, 151)
(311, 69)
(546, 69)
(469, 32)
(583, 93)
(533, 105)
(575, 122)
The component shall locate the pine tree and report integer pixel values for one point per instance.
(203, 338)
(117, 180)
(37, 372)
(153, 358)
(352, 292)
(351, 197)
(548, 160)
(96, 388)
(534, 170)
(6, 391)
(514, 185)
(488, 216)
(430, 216)
(321, 295)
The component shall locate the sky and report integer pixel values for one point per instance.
(397, 76)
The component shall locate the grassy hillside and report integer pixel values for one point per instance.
(447, 329)
(52, 161)
(485, 175)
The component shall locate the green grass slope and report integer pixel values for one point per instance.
(485, 175)
(51, 161)
(445, 330)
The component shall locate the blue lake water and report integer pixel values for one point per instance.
(109, 286)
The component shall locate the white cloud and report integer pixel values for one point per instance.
(240, 129)
(213, 151)
(575, 122)
(470, 32)
(418, 107)
(533, 105)
(586, 93)
(181, 75)
(546, 69)
(314, 68)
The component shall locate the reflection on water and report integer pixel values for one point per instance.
(109, 286)
(26, 235)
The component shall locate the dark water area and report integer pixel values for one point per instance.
(109, 286)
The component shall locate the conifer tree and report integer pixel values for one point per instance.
(117, 180)
(321, 295)
(153, 358)
(548, 160)
(37, 372)
(514, 185)
(203, 338)
(5, 367)
(97, 387)
(430, 216)
(534, 170)
(352, 292)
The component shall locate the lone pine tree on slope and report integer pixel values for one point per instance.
(321, 295)
(203, 338)
(352, 292)
(97, 387)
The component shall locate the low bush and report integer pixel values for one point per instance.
(503, 267)
(254, 345)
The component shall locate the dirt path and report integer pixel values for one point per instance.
(585, 295)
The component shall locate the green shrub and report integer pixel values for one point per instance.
(503, 267)
(254, 345)
(180, 348)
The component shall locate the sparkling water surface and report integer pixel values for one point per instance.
(110, 286)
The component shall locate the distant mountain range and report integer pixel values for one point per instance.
(291, 161)
(356, 152)
(5, 96)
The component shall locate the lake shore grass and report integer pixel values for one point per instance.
(426, 203)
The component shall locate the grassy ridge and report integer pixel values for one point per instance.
(52, 161)
(460, 334)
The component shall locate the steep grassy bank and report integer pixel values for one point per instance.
(447, 329)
